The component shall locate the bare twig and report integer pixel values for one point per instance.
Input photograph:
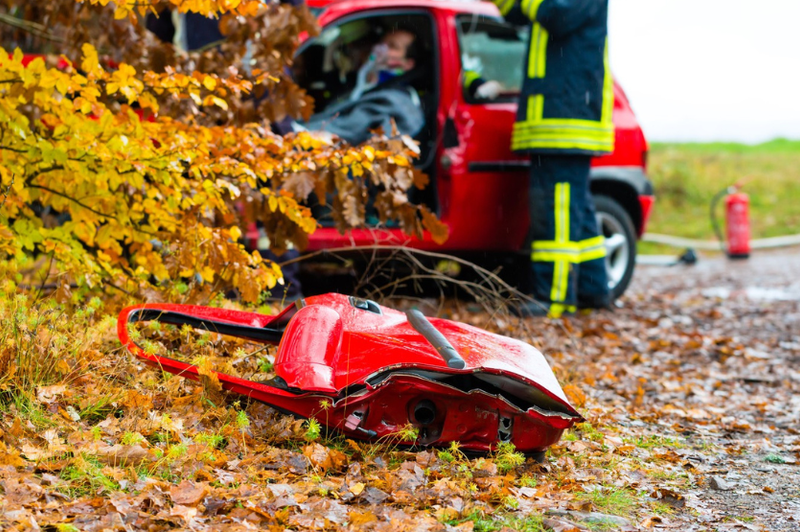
(489, 290)
(31, 27)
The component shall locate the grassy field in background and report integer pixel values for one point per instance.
(686, 177)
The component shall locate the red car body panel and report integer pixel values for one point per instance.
(485, 210)
(368, 371)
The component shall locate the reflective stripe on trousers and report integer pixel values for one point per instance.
(568, 255)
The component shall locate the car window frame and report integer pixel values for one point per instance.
(435, 43)
(510, 97)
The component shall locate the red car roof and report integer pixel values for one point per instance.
(336, 8)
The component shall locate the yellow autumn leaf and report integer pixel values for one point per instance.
(155, 196)
(210, 83)
(121, 12)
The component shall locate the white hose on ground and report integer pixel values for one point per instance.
(680, 242)
(656, 260)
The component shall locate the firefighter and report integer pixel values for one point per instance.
(563, 119)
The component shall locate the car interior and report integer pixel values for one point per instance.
(327, 67)
(487, 47)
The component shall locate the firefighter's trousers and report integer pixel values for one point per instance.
(568, 254)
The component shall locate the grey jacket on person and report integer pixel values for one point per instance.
(353, 120)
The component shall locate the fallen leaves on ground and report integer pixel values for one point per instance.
(691, 401)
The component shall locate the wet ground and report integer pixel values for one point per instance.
(734, 388)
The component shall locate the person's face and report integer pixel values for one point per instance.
(398, 43)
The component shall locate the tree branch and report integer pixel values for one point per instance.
(31, 27)
(70, 198)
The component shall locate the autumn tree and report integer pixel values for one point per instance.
(126, 161)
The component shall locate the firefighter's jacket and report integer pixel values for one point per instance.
(567, 94)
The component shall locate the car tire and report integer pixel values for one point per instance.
(615, 224)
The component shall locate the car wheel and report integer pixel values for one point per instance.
(615, 224)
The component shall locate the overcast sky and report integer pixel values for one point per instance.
(700, 70)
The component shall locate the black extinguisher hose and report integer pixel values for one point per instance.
(714, 223)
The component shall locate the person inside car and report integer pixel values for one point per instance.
(393, 56)
(382, 95)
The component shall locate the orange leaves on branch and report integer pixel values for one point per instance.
(124, 8)
(139, 175)
(438, 229)
(136, 200)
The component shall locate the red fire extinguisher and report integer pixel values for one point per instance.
(737, 222)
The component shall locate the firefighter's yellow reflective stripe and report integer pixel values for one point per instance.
(530, 8)
(563, 133)
(558, 309)
(535, 106)
(558, 291)
(469, 77)
(518, 143)
(608, 91)
(593, 254)
(581, 127)
(589, 243)
(553, 256)
(560, 133)
(562, 212)
(551, 135)
(541, 52)
(573, 258)
(569, 247)
(537, 54)
(592, 248)
(573, 252)
(504, 6)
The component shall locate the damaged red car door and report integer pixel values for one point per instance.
(369, 371)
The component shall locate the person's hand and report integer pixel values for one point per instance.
(380, 54)
(489, 90)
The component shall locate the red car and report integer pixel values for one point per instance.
(478, 186)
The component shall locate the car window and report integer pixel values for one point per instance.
(492, 49)
(327, 66)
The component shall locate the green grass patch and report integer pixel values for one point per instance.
(610, 500)
(687, 175)
(654, 441)
(85, 476)
(491, 523)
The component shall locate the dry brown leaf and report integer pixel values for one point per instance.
(10, 456)
(439, 230)
(187, 493)
(651, 521)
(324, 457)
(674, 499)
(575, 395)
(48, 394)
(123, 455)
(187, 513)
(358, 519)
(18, 491)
